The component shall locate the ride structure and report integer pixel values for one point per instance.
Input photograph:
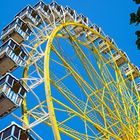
(72, 77)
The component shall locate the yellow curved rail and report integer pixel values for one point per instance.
(47, 74)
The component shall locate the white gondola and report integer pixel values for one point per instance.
(11, 56)
(39, 6)
(18, 30)
(110, 40)
(91, 37)
(69, 14)
(129, 72)
(57, 11)
(15, 132)
(119, 59)
(12, 93)
(97, 28)
(83, 20)
(29, 14)
(45, 12)
(105, 47)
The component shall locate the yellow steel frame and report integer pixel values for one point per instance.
(50, 99)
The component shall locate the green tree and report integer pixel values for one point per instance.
(135, 19)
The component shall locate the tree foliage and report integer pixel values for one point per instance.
(137, 1)
(135, 19)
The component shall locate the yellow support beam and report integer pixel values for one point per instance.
(49, 98)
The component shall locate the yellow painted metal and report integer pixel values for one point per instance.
(50, 99)
(24, 103)
(48, 88)
(56, 131)
(63, 130)
(87, 119)
(78, 78)
(47, 77)
(117, 105)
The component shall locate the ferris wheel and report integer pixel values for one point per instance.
(60, 71)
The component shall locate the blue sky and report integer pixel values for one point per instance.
(111, 15)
